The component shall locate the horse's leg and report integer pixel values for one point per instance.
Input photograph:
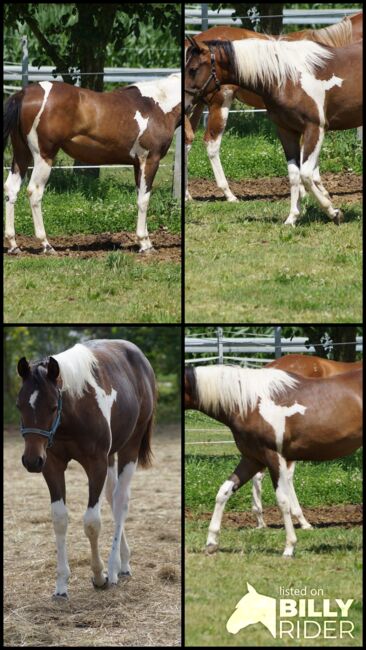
(145, 171)
(296, 510)
(54, 474)
(318, 182)
(118, 564)
(257, 499)
(111, 482)
(190, 126)
(311, 145)
(290, 141)
(217, 119)
(41, 171)
(279, 474)
(96, 472)
(243, 473)
(21, 159)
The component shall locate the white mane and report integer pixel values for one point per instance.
(76, 369)
(232, 387)
(275, 61)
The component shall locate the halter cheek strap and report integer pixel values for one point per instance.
(43, 432)
(199, 93)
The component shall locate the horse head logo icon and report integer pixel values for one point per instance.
(253, 608)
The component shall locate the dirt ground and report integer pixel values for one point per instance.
(346, 186)
(324, 516)
(167, 247)
(144, 610)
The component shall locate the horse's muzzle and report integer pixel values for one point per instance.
(34, 465)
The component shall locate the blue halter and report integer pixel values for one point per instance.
(43, 432)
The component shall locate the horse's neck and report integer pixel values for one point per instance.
(220, 416)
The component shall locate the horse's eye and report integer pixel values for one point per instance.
(192, 72)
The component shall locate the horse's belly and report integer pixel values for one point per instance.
(92, 151)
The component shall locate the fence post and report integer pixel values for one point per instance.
(220, 346)
(24, 42)
(277, 334)
(204, 17)
(177, 183)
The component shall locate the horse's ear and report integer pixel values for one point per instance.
(23, 368)
(53, 369)
(251, 589)
(193, 42)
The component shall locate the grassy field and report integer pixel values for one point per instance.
(115, 287)
(252, 268)
(327, 558)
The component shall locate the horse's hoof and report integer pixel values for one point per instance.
(338, 218)
(233, 199)
(211, 549)
(125, 574)
(307, 527)
(103, 586)
(48, 250)
(14, 251)
(147, 251)
(60, 597)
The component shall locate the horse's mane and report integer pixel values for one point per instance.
(76, 369)
(337, 35)
(233, 388)
(272, 62)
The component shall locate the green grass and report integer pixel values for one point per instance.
(113, 289)
(243, 265)
(328, 559)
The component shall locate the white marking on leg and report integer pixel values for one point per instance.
(60, 518)
(142, 204)
(283, 500)
(33, 398)
(110, 483)
(225, 491)
(294, 178)
(294, 503)
(257, 499)
(276, 416)
(11, 187)
(121, 497)
(40, 173)
(92, 526)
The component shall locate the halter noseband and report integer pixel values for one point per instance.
(199, 92)
(43, 432)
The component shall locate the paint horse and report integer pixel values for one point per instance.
(86, 404)
(132, 125)
(275, 418)
(349, 30)
(306, 88)
(306, 366)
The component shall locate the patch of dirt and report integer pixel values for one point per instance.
(167, 246)
(347, 186)
(144, 610)
(324, 516)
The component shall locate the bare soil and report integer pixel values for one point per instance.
(144, 610)
(346, 186)
(167, 246)
(324, 516)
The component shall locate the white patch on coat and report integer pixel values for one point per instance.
(276, 416)
(32, 135)
(166, 92)
(105, 401)
(32, 399)
(137, 149)
(316, 89)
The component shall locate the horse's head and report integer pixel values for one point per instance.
(201, 70)
(253, 608)
(39, 402)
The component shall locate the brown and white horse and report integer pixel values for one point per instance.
(276, 417)
(348, 30)
(87, 403)
(306, 366)
(307, 89)
(132, 125)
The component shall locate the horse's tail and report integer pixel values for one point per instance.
(12, 110)
(145, 451)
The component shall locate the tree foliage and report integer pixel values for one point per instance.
(89, 37)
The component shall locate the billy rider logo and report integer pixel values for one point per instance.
(303, 618)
